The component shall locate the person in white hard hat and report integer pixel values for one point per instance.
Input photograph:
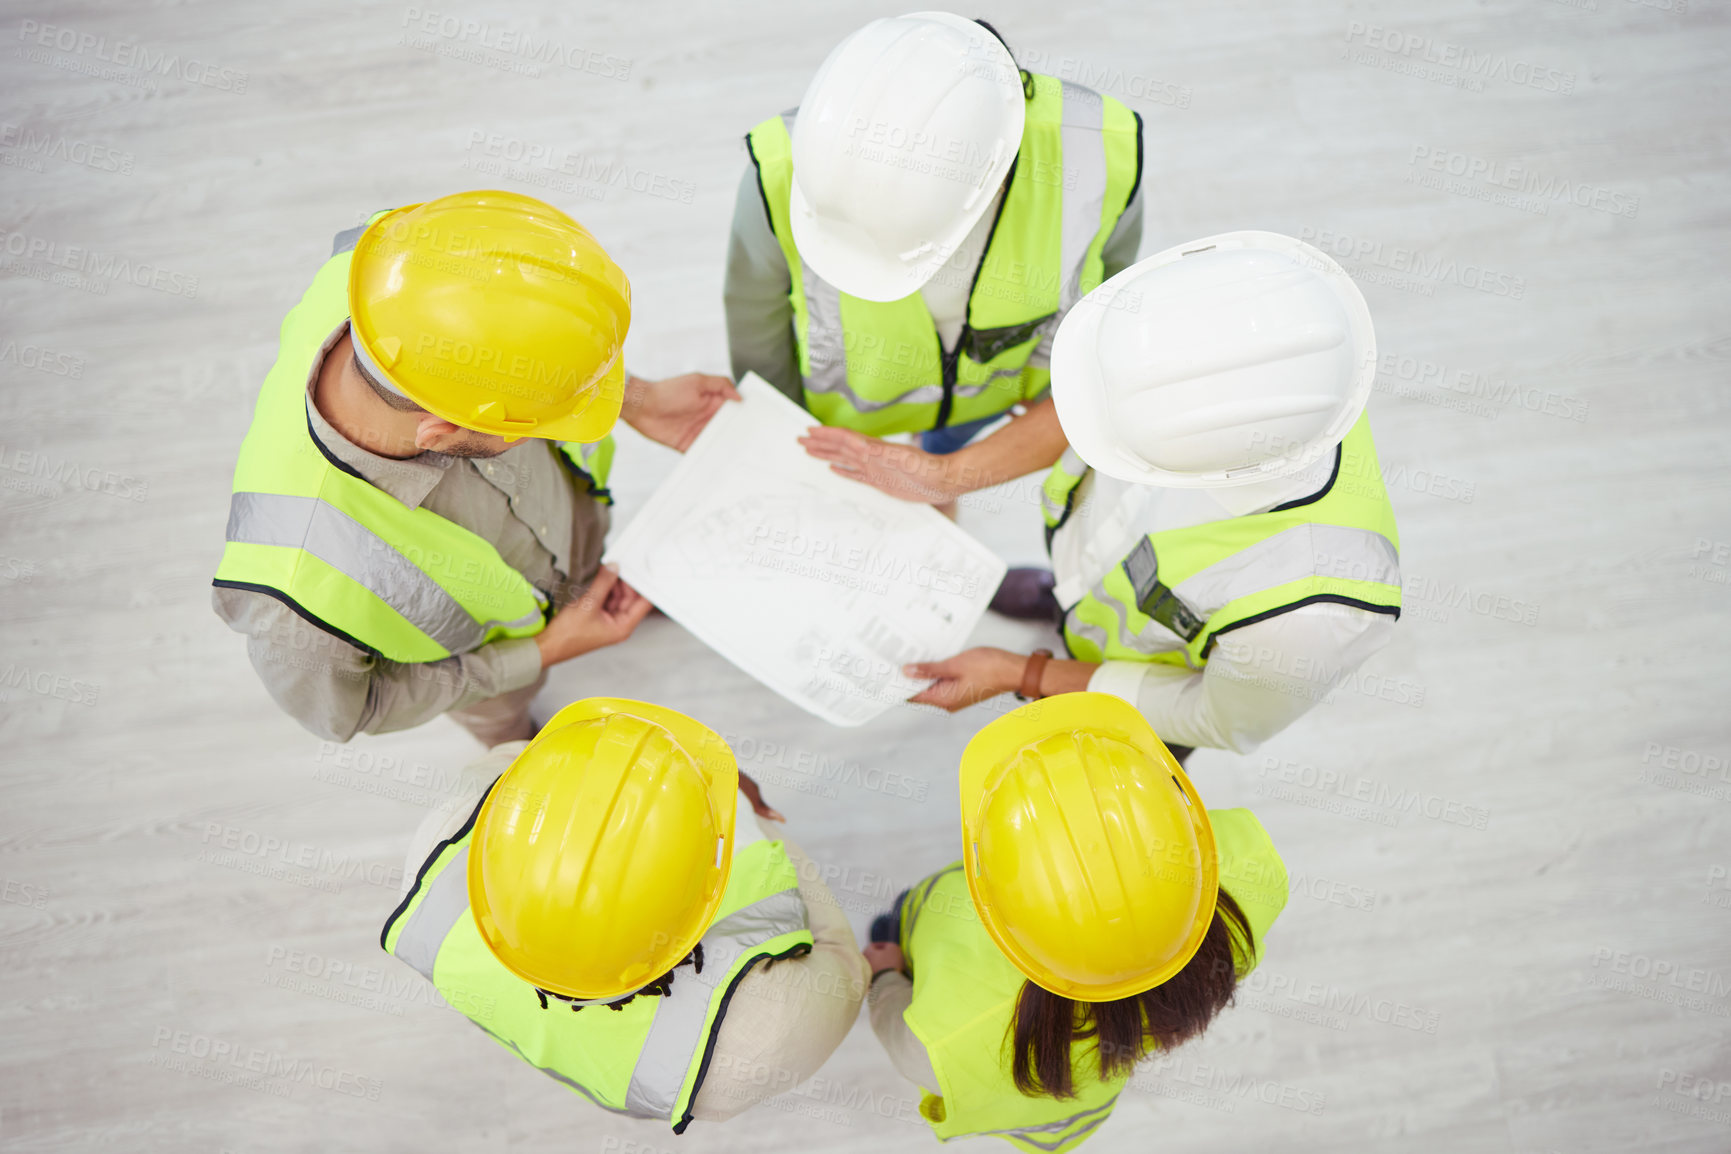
(907, 240)
(1224, 554)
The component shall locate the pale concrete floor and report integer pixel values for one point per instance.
(1535, 956)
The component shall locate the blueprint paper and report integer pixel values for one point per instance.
(820, 587)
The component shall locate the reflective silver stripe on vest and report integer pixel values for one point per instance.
(826, 352)
(1309, 550)
(1083, 140)
(346, 240)
(1083, 144)
(1152, 638)
(364, 557)
(1088, 632)
(961, 390)
(580, 453)
(1051, 1135)
(677, 1032)
(1312, 550)
(1070, 465)
(418, 942)
(446, 900)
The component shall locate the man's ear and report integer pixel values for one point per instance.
(432, 431)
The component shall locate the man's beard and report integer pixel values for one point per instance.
(474, 452)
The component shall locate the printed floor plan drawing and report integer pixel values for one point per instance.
(818, 586)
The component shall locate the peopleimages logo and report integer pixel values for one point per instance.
(515, 46)
(125, 54)
(1412, 262)
(496, 153)
(1426, 379)
(1328, 782)
(1465, 63)
(52, 475)
(89, 262)
(63, 148)
(43, 360)
(46, 683)
(1542, 188)
(1661, 980)
(242, 1059)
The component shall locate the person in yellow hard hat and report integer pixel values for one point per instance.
(1099, 913)
(419, 505)
(605, 913)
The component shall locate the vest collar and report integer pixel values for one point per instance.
(1262, 496)
(409, 481)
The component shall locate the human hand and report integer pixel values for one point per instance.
(604, 614)
(881, 956)
(754, 795)
(899, 470)
(970, 676)
(673, 411)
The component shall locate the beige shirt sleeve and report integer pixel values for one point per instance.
(336, 690)
(891, 995)
(788, 1017)
(448, 816)
(785, 1018)
(1258, 680)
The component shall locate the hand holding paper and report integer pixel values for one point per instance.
(820, 587)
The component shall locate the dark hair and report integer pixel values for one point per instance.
(396, 400)
(1027, 77)
(1046, 1024)
(660, 988)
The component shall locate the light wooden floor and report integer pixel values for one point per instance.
(1535, 956)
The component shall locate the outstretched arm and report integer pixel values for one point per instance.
(1030, 442)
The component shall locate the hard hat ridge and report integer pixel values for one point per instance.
(1089, 859)
(495, 311)
(1237, 358)
(599, 858)
(902, 138)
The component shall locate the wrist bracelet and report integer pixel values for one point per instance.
(1031, 674)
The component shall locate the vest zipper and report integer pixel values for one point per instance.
(950, 359)
(951, 362)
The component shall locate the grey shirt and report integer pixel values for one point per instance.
(754, 293)
(523, 502)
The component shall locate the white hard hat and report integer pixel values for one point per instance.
(901, 142)
(1228, 360)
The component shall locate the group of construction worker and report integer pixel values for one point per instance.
(934, 242)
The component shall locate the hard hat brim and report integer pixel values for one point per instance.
(985, 760)
(858, 269)
(1079, 392)
(592, 422)
(707, 749)
(592, 416)
(853, 262)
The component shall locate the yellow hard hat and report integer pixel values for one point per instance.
(1089, 856)
(599, 858)
(495, 311)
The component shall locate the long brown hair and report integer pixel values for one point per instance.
(1046, 1024)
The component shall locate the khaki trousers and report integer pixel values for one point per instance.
(502, 718)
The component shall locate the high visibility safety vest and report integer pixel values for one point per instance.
(306, 529)
(646, 1060)
(1178, 590)
(965, 993)
(879, 367)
